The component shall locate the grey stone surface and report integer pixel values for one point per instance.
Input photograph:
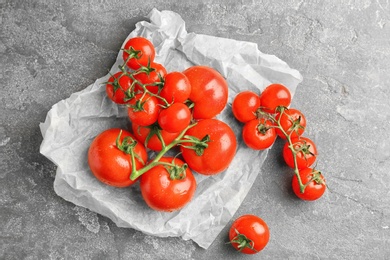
(50, 49)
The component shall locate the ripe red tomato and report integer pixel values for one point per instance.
(219, 151)
(177, 87)
(314, 182)
(249, 234)
(259, 134)
(175, 118)
(149, 136)
(117, 86)
(306, 152)
(244, 106)
(143, 109)
(209, 91)
(137, 52)
(168, 187)
(273, 96)
(292, 121)
(150, 76)
(111, 164)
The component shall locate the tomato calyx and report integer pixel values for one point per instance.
(176, 172)
(243, 242)
(198, 145)
(133, 53)
(127, 146)
(262, 128)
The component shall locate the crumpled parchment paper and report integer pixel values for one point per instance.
(71, 125)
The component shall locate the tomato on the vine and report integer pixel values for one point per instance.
(249, 234)
(273, 96)
(211, 148)
(109, 158)
(209, 91)
(151, 77)
(177, 87)
(292, 121)
(259, 134)
(169, 186)
(152, 136)
(314, 183)
(117, 87)
(143, 109)
(245, 105)
(137, 52)
(174, 118)
(305, 150)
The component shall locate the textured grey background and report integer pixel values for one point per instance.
(50, 49)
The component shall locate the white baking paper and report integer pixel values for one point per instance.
(71, 125)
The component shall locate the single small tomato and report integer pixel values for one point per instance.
(314, 183)
(305, 150)
(273, 96)
(168, 186)
(259, 134)
(143, 109)
(109, 160)
(245, 105)
(177, 87)
(117, 87)
(174, 118)
(211, 148)
(151, 77)
(292, 121)
(138, 52)
(209, 91)
(249, 234)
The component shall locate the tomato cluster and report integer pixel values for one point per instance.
(265, 117)
(168, 111)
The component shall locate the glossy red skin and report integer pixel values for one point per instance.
(141, 133)
(146, 47)
(156, 75)
(123, 84)
(149, 114)
(220, 151)
(161, 193)
(253, 228)
(286, 122)
(303, 160)
(257, 140)
(273, 96)
(244, 106)
(209, 91)
(175, 118)
(313, 190)
(111, 165)
(177, 87)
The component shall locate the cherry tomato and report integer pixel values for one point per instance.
(244, 106)
(292, 121)
(143, 109)
(138, 51)
(216, 151)
(175, 118)
(168, 187)
(249, 234)
(306, 152)
(177, 87)
(273, 96)
(149, 136)
(117, 86)
(209, 91)
(259, 134)
(150, 77)
(314, 182)
(108, 160)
